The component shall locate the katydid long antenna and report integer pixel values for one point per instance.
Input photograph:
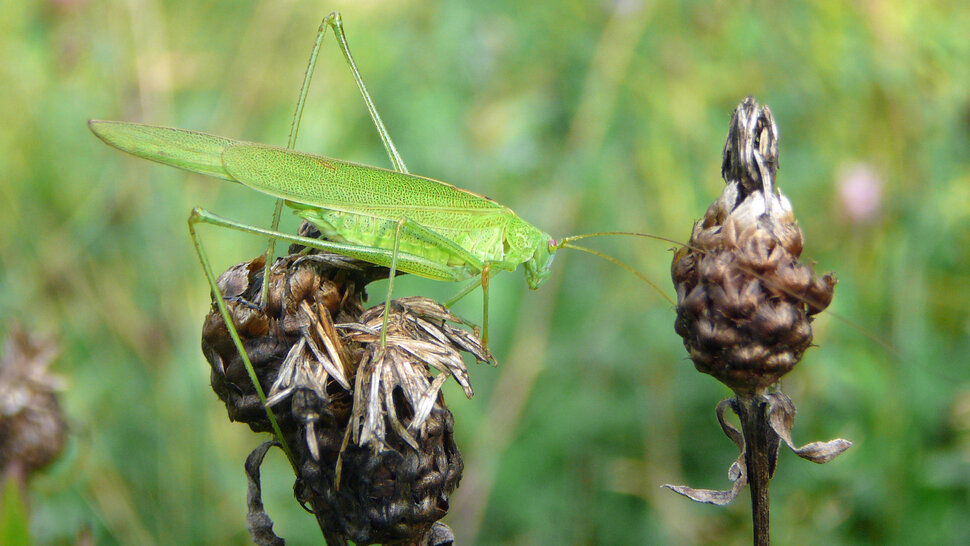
(567, 242)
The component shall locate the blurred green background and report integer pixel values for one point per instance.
(581, 116)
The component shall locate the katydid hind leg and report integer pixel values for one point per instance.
(236, 340)
(336, 23)
(290, 144)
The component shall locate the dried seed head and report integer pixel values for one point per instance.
(744, 300)
(32, 426)
(373, 438)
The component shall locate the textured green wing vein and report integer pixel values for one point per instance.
(189, 150)
(343, 186)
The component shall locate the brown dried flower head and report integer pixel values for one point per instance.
(744, 300)
(367, 424)
(744, 309)
(32, 426)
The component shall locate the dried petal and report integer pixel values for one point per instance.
(257, 520)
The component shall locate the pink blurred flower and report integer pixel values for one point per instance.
(860, 192)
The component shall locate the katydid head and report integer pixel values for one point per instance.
(539, 266)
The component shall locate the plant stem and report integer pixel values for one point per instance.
(761, 447)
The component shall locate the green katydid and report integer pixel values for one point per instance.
(387, 217)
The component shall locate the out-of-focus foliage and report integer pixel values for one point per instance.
(581, 116)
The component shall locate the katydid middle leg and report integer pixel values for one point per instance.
(484, 268)
(390, 279)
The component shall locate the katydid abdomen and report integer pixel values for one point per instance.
(485, 243)
(363, 204)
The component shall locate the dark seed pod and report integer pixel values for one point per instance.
(744, 300)
(367, 425)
